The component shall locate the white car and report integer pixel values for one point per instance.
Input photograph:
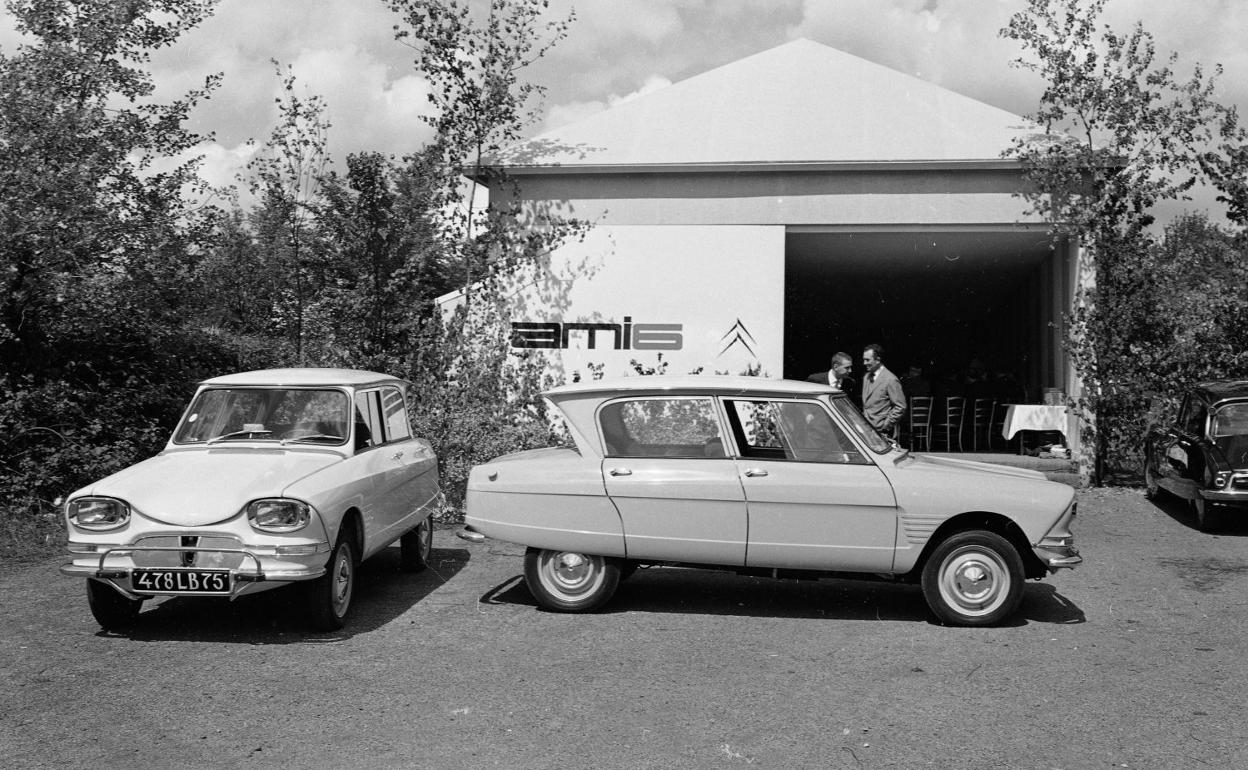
(271, 478)
(763, 477)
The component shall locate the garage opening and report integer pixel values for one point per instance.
(946, 301)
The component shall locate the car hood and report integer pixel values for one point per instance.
(975, 469)
(207, 486)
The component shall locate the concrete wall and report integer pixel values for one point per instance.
(684, 296)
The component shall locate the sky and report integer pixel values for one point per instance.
(345, 51)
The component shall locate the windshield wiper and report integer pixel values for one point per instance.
(235, 434)
(312, 437)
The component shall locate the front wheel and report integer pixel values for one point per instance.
(973, 578)
(1205, 512)
(566, 581)
(1151, 488)
(416, 547)
(111, 610)
(329, 596)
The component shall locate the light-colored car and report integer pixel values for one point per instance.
(271, 477)
(764, 477)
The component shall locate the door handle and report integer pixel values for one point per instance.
(620, 472)
(753, 472)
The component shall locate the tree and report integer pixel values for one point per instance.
(1121, 132)
(96, 244)
(481, 105)
(286, 178)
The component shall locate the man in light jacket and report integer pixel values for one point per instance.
(883, 402)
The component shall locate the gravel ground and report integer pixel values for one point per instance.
(1134, 660)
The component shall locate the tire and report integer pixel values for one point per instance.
(1151, 488)
(416, 547)
(111, 610)
(566, 581)
(973, 578)
(329, 596)
(1205, 513)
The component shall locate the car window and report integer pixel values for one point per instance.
(369, 430)
(1192, 418)
(801, 431)
(265, 414)
(395, 414)
(661, 427)
(1230, 420)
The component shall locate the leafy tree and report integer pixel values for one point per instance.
(476, 398)
(1121, 132)
(286, 177)
(95, 242)
(481, 104)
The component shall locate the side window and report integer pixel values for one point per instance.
(368, 424)
(1192, 418)
(395, 414)
(790, 430)
(661, 427)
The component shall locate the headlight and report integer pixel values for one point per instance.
(98, 514)
(278, 515)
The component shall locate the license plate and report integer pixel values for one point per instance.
(180, 581)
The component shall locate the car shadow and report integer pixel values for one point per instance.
(383, 592)
(711, 592)
(1228, 523)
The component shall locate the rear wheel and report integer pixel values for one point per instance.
(111, 610)
(416, 547)
(329, 596)
(973, 578)
(566, 581)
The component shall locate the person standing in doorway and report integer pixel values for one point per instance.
(883, 402)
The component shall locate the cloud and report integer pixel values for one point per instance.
(561, 115)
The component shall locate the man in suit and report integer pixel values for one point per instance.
(839, 376)
(883, 402)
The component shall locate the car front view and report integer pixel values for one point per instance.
(270, 478)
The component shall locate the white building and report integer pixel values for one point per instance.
(785, 206)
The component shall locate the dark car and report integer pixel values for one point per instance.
(1203, 457)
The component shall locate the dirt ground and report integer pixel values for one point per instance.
(1134, 660)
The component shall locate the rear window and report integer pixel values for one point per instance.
(661, 427)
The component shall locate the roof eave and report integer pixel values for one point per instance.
(765, 167)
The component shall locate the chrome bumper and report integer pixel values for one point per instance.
(1066, 557)
(242, 579)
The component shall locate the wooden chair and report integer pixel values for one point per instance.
(995, 439)
(920, 421)
(950, 425)
(981, 423)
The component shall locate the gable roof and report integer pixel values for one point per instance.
(798, 103)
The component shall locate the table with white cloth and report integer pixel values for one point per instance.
(1033, 417)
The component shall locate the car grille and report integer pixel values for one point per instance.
(1239, 481)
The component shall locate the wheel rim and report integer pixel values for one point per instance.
(425, 534)
(569, 575)
(974, 581)
(341, 581)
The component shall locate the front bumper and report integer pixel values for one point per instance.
(1055, 558)
(1236, 497)
(251, 569)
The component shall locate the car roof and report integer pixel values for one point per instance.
(303, 377)
(694, 383)
(1220, 390)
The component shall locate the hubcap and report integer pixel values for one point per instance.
(974, 581)
(571, 574)
(342, 581)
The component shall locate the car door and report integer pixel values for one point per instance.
(814, 499)
(677, 492)
(391, 460)
(1180, 463)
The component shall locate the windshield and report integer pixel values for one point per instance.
(285, 415)
(1231, 420)
(859, 425)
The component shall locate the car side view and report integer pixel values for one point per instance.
(762, 477)
(271, 478)
(1202, 457)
